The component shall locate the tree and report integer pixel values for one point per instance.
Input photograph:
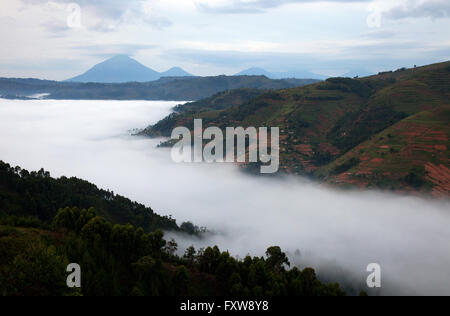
(171, 247)
(276, 259)
(189, 255)
(121, 260)
(209, 260)
(39, 271)
(181, 281)
(97, 226)
(309, 282)
(148, 273)
(189, 228)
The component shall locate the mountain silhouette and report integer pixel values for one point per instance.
(121, 69)
(176, 72)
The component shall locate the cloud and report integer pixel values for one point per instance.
(106, 51)
(107, 15)
(331, 229)
(376, 52)
(253, 6)
(294, 37)
(434, 9)
(393, 10)
(382, 34)
(232, 58)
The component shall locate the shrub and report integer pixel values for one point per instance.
(415, 177)
(353, 162)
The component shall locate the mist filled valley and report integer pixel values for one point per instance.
(337, 232)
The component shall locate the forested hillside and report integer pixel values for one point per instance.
(122, 261)
(221, 100)
(121, 248)
(38, 195)
(170, 88)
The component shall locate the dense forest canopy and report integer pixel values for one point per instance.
(122, 260)
(38, 195)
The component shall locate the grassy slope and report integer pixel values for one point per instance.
(221, 100)
(416, 145)
(185, 113)
(325, 124)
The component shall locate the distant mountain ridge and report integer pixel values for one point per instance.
(176, 72)
(122, 69)
(255, 71)
(166, 88)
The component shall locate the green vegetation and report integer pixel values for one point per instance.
(221, 100)
(347, 85)
(175, 88)
(392, 123)
(353, 162)
(416, 177)
(37, 195)
(120, 248)
(121, 260)
(367, 124)
(409, 155)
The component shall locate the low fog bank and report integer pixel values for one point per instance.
(338, 233)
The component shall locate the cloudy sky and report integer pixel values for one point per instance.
(62, 38)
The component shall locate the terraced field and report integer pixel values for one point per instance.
(412, 154)
(387, 131)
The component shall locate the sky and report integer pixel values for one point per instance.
(62, 38)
